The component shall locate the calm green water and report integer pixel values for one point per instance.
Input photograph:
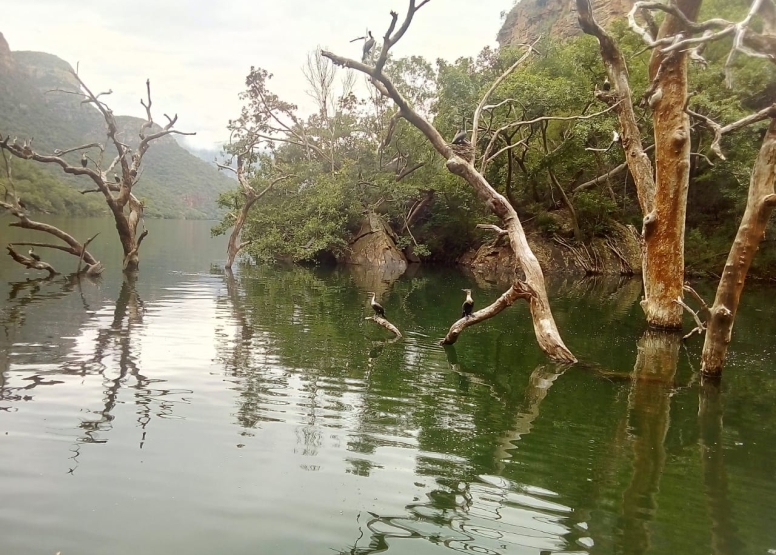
(199, 413)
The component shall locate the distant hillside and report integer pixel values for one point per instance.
(557, 18)
(173, 182)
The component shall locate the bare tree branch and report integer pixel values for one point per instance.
(494, 86)
(545, 328)
(384, 323)
(719, 130)
(31, 262)
(519, 290)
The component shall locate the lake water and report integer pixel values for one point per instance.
(195, 412)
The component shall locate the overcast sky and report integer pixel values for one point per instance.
(198, 53)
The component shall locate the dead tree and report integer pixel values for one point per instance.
(125, 207)
(545, 328)
(663, 199)
(17, 208)
(760, 203)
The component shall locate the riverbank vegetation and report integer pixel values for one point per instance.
(564, 178)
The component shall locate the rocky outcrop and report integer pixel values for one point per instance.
(619, 254)
(375, 245)
(6, 60)
(554, 18)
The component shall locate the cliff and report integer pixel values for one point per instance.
(556, 18)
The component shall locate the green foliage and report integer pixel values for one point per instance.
(547, 224)
(595, 213)
(41, 191)
(344, 170)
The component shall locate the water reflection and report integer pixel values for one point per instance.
(648, 420)
(724, 532)
(361, 443)
(108, 346)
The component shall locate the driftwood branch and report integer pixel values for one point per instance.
(700, 327)
(385, 323)
(704, 308)
(31, 263)
(518, 290)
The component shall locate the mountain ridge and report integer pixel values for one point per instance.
(173, 182)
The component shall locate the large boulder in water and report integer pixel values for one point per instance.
(375, 245)
(617, 254)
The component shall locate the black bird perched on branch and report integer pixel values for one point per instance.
(607, 85)
(84, 161)
(368, 45)
(116, 178)
(35, 256)
(377, 307)
(460, 138)
(468, 304)
(21, 204)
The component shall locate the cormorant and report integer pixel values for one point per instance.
(377, 307)
(84, 161)
(21, 203)
(607, 85)
(468, 304)
(116, 178)
(368, 45)
(35, 256)
(460, 138)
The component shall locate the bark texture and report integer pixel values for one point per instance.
(664, 223)
(663, 199)
(751, 231)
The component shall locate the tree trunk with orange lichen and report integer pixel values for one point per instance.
(664, 224)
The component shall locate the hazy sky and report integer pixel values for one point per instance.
(198, 53)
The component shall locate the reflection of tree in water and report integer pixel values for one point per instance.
(294, 346)
(116, 347)
(120, 341)
(23, 296)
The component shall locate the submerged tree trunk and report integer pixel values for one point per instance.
(759, 206)
(663, 199)
(664, 223)
(234, 246)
